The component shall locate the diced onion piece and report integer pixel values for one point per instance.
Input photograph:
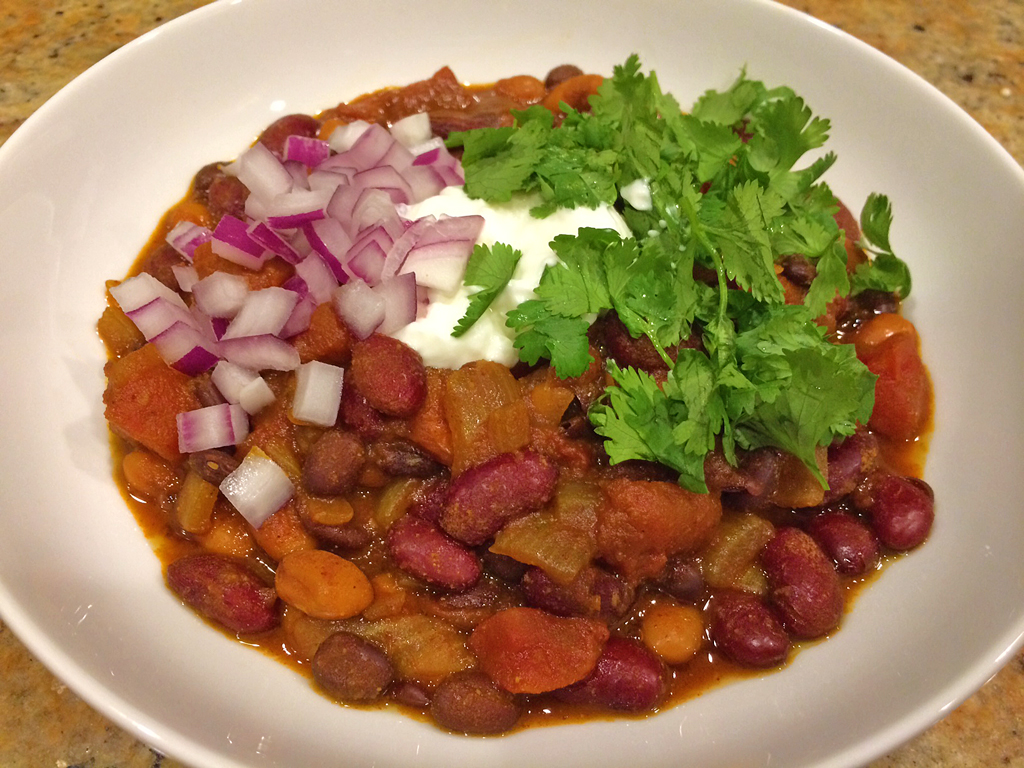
(185, 237)
(300, 317)
(317, 393)
(220, 294)
(373, 207)
(367, 150)
(444, 162)
(260, 353)
(306, 150)
(183, 347)
(638, 194)
(256, 395)
(215, 426)
(273, 242)
(343, 137)
(360, 307)
(230, 379)
(424, 182)
(257, 488)
(318, 277)
(157, 316)
(186, 276)
(231, 241)
(413, 130)
(140, 290)
(367, 261)
(262, 172)
(263, 312)
(295, 208)
(329, 238)
(440, 265)
(386, 179)
(400, 305)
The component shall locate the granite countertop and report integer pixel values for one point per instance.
(972, 50)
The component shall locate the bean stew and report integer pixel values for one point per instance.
(467, 542)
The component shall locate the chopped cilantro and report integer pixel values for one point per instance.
(489, 269)
(729, 199)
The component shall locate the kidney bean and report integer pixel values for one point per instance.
(356, 413)
(799, 270)
(390, 375)
(803, 584)
(560, 74)
(350, 536)
(410, 694)
(470, 702)
(595, 593)
(213, 465)
(421, 548)
(428, 500)
(158, 263)
(746, 630)
(628, 676)
(322, 585)
(504, 567)
(902, 511)
(848, 462)
(333, 464)
(850, 543)
(206, 391)
(226, 590)
(351, 669)
(203, 178)
(274, 135)
(485, 497)
(682, 579)
(402, 459)
(226, 196)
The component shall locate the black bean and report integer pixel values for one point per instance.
(351, 669)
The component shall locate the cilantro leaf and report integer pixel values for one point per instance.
(540, 334)
(886, 271)
(490, 269)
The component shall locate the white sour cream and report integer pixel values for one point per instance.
(510, 223)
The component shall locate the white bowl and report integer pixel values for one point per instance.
(84, 181)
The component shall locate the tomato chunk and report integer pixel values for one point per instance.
(903, 390)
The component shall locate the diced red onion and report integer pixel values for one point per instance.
(257, 488)
(329, 239)
(343, 137)
(404, 244)
(318, 277)
(439, 265)
(399, 294)
(367, 150)
(330, 177)
(300, 317)
(230, 379)
(263, 312)
(412, 130)
(342, 203)
(183, 347)
(447, 228)
(273, 242)
(424, 182)
(215, 426)
(366, 262)
(220, 294)
(386, 179)
(256, 395)
(262, 173)
(295, 208)
(434, 142)
(360, 307)
(317, 393)
(260, 353)
(446, 164)
(306, 150)
(141, 289)
(185, 237)
(398, 157)
(186, 276)
(373, 207)
(299, 174)
(231, 241)
(157, 316)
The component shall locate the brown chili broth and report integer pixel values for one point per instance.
(707, 670)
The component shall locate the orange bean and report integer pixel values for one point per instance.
(879, 329)
(674, 632)
(522, 89)
(322, 585)
(149, 476)
(576, 92)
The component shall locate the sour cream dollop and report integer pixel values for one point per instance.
(510, 223)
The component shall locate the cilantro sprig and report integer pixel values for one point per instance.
(489, 269)
(731, 196)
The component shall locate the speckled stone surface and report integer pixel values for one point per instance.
(971, 50)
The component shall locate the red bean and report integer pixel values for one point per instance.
(470, 702)
(275, 135)
(747, 631)
(595, 593)
(356, 413)
(848, 461)
(560, 74)
(428, 500)
(226, 196)
(421, 548)
(485, 497)
(682, 580)
(390, 375)
(846, 540)
(225, 590)
(159, 263)
(351, 669)
(803, 584)
(402, 459)
(902, 512)
(628, 676)
(333, 464)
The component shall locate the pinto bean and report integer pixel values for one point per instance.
(746, 630)
(274, 135)
(333, 464)
(390, 375)
(595, 593)
(560, 74)
(470, 702)
(850, 543)
(351, 669)
(226, 196)
(485, 497)
(803, 584)
(402, 459)
(628, 676)
(213, 465)
(421, 548)
(226, 590)
(681, 579)
(902, 511)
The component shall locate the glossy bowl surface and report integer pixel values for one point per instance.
(82, 185)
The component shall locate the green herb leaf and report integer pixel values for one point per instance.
(490, 269)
